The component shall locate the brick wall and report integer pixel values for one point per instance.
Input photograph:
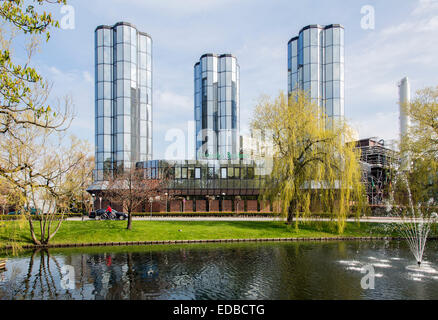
(175, 205)
(201, 206)
(227, 206)
(188, 206)
(251, 206)
(214, 205)
(239, 206)
(265, 206)
(158, 206)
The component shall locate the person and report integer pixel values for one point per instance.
(109, 210)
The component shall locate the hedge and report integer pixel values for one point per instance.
(37, 217)
(206, 214)
(226, 214)
(186, 215)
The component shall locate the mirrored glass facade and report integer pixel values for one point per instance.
(208, 177)
(123, 105)
(217, 107)
(316, 65)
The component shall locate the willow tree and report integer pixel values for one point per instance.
(314, 159)
(420, 145)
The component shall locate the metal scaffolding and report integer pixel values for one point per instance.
(375, 162)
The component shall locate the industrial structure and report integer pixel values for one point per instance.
(217, 107)
(230, 169)
(316, 66)
(376, 159)
(405, 122)
(123, 109)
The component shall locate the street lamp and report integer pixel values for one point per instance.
(93, 196)
(238, 199)
(166, 200)
(151, 200)
(223, 199)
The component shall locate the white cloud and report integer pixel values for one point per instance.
(378, 61)
(55, 71)
(171, 111)
(171, 101)
(257, 33)
(87, 77)
(425, 6)
(80, 86)
(380, 125)
(177, 6)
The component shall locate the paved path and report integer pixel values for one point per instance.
(366, 220)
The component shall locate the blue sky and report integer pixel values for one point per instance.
(403, 43)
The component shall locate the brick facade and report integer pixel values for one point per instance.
(265, 206)
(227, 206)
(252, 206)
(214, 205)
(175, 206)
(201, 205)
(188, 206)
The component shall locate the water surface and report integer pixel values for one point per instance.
(331, 270)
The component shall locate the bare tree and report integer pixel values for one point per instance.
(24, 94)
(51, 190)
(47, 179)
(132, 187)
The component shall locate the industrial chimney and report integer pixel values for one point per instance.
(405, 122)
(405, 99)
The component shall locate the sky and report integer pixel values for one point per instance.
(402, 43)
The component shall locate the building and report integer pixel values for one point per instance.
(209, 185)
(375, 161)
(123, 105)
(316, 65)
(217, 107)
(230, 169)
(255, 146)
(200, 186)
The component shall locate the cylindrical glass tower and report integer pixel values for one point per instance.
(217, 107)
(316, 65)
(123, 107)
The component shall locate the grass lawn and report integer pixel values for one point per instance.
(115, 231)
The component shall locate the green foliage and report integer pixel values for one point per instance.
(26, 120)
(16, 80)
(207, 214)
(115, 231)
(314, 165)
(420, 146)
(11, 233)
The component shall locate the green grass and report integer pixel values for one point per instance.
(115, 231)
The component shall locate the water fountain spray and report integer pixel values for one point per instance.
(414, 224)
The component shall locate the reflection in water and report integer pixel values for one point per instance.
(231, 271)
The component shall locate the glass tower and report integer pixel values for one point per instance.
(217, 107)
(123, 105)
(316, 65)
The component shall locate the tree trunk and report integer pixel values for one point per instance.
(129, 227)
(32, 232)
(291, 213)
(50, 236)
